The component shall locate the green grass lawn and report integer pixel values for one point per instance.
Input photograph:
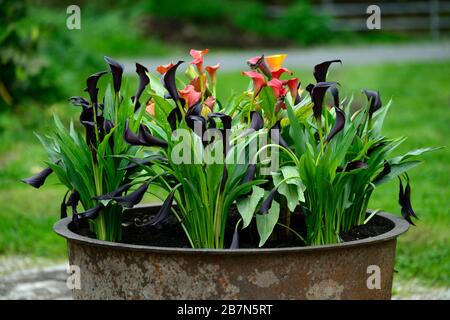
(421, 111)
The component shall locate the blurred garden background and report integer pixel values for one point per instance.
(42, 63)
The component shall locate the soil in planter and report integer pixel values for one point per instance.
(170, 234)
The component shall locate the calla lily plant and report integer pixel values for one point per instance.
(264, 159)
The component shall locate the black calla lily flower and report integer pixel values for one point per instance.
(404, 199)
(195, 110)
(91, 213)
(130, 137)
(235, 240)
(133, 198)
(321, 69)
(267, 203)
(250, 173)
(91, 86)
(375, 101)
(338, 124)
(174, 117)
(162, 215)
(143, 81)
(260, 63)
(137, 162)
(117, 71)
(275, 134)
(224, 118)
(63, 207)
(191, 122)
(318, 95)
(73, 201)
(169, 81)
(224, 179)
(114, 193)
(39, 179)
(335, 94)
(404, 205)
(149, 139)
(309, 88)
(353, 165)
(256, 122)
(79, 102)
(386, 170)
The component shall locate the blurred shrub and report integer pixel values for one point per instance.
(293, 21)
(23, 70)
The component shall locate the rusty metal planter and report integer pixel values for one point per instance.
(122, 271)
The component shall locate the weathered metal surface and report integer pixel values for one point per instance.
(121, 271)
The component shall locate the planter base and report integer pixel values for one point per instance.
(342, 271)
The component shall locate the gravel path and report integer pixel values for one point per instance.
(50, 283)
(370, 54)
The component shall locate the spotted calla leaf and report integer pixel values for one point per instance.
(169, 81)
(133, 198)
(143, 80)
(338, 124)
(117, 71)
(375, 101)
(39, 179)
(321, 70)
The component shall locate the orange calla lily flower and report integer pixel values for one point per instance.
(150, 107)
(277, 74)
(196, 83)
(210, 102)
(198, 58)
(292, 84)
(212, 71)
(278, 87)
(258, 81)
(162, 69)
(276, 61)
(190, 95)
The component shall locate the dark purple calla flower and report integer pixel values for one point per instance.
(321, 69)
(117, 71)
(39, 179)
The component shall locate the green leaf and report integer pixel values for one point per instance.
(247, 206)
(266, 222)
(293, 188)
(411, 154)
(398, 169)
(296, 132)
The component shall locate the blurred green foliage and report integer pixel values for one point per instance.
(42, 60)
(294, 22)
